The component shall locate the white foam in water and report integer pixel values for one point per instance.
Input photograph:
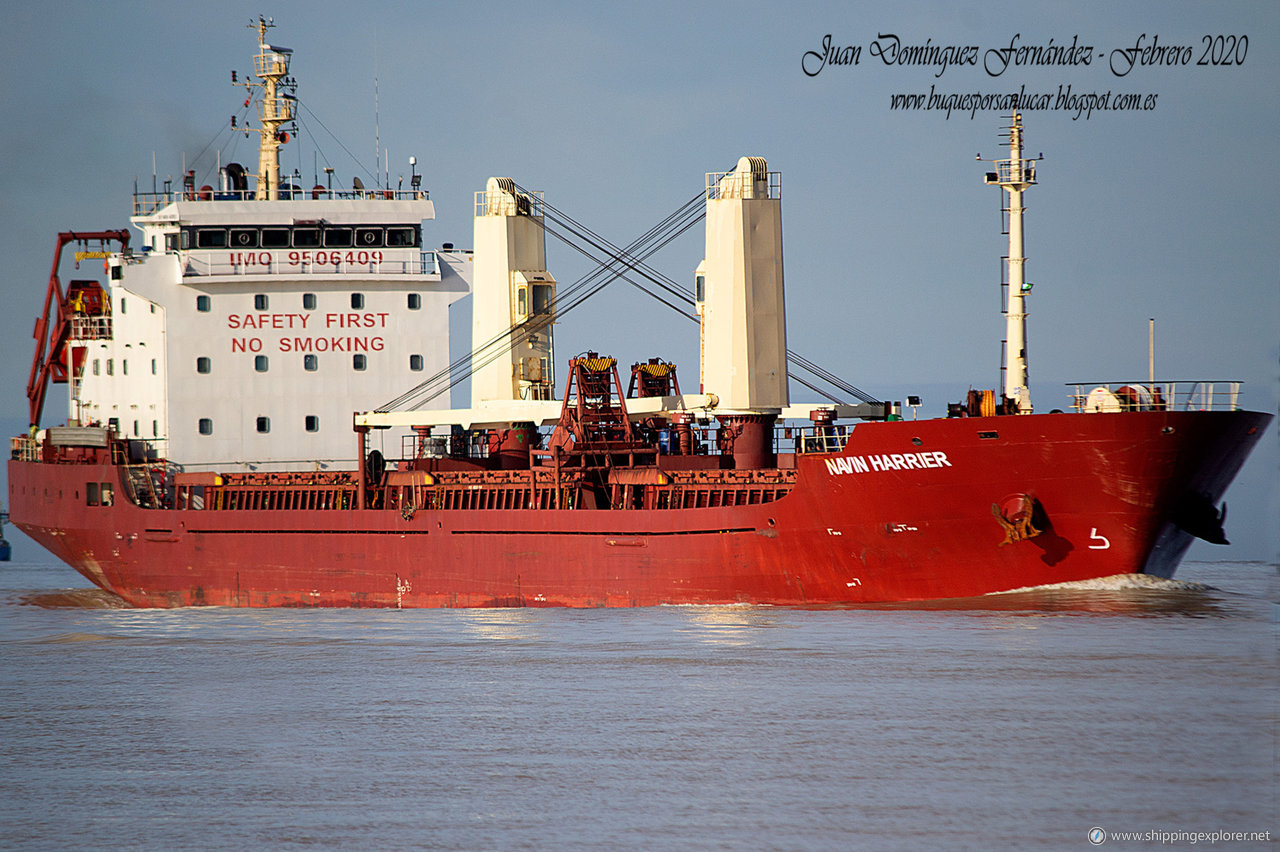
(1117, 583)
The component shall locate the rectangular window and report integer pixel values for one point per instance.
(337, 237)
(415, 301)
(306, 237)
(124, 366)
(275, 237)
(97, 365)
(206, 426)
(310, 363)
(203, 365)
(264, 424)
(260, 301)
(358, 361)
(91, 493)
(208, 238)
(308, 301)
(357, 301)
(111, 367)
(203, 304)
(104, 492)
(415, 362)
(153, 366)
(313, 423)
(368, 237)
(397, 237)
(260, 363)
(542, 296)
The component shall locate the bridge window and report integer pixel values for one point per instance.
(208, 238)
(368, 237)
(306, 237)
(203, 304)
(402, 237)
(275, 237)
(415, 301)
(244, 237)
(204, 365)
(337, 237)
(308, 301)
(205, 426)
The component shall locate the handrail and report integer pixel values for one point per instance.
(320, 261)
(1178, 395)
(146, 203)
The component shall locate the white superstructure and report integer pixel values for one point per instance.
(252, 323)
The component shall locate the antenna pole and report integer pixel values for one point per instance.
(1151, 351)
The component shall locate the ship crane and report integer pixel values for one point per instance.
(1015, 175)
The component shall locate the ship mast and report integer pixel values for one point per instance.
(1015, 175)
(276, 109)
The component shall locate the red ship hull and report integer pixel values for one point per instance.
(909, 510)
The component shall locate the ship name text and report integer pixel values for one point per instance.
(887, 461)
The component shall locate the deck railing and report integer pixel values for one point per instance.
(146, 203)
(1181, 395)
(327, 262)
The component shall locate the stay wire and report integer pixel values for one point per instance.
(562, 305)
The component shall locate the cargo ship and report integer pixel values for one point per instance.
(225, 376)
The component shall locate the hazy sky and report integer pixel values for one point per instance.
(892, 241)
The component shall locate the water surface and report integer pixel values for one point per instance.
(1012, 720)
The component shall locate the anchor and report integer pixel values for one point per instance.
(1014, 514)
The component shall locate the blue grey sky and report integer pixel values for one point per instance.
(892, 242)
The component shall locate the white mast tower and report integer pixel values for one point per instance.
(1015, 175)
